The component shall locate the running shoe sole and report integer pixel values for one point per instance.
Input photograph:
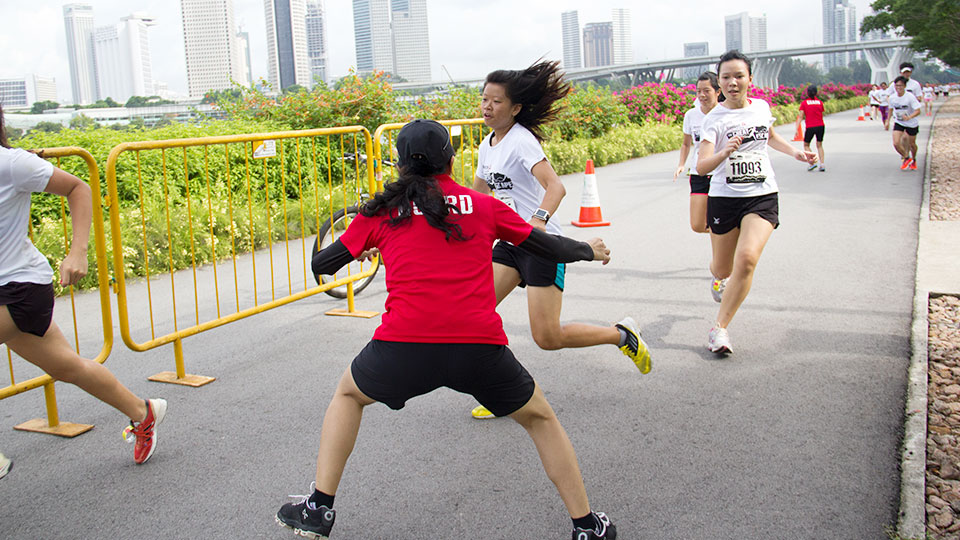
(299, 532)
(642, 357)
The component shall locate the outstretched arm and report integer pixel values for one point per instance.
(564, 250)
(331, 258)
(77, 193)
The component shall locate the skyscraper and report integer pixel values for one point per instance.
(371, 27)
(622, 37)
(23, 92)
(210, 45)
(570, 23)
(317, 40)
(78, 22)
(245, 75)
(839, 26)
(598, 44)
(122, 60)
(411, 40)
(287, 61)
(691, 50)
(746, 33)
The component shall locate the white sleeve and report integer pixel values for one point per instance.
(530, 152)
(686, 124)
(30, 173)
(710, 131)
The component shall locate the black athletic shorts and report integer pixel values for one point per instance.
(30, 305)
(534, 271)
(911, 131)
(811, 132)
(392, 372)
(725, 213)
(699, 185)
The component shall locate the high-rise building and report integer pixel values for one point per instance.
(245, 75)
(23, 92)
(692, 50)
(622, 37)
(287, 60)
(78, 22)
(121, 55)
(374, 42)
(598, 44)
(746, 33)
(317, 40)
(570, 23)
(411, 40)
(210, 45)
(839, 26)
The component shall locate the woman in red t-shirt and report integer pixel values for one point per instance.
(450, 337)
(811, 111)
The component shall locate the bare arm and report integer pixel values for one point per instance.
(709, 160)
(77, 193)
(780, 144)
(684, 152)
(548, 178)
(479, 184)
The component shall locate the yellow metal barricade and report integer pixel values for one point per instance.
(465, 134)
(52, 423)
(189, 211)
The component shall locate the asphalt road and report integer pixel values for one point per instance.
(796, 435)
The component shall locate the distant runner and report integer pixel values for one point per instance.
(906, 125)
(708, 90)
(811, 112)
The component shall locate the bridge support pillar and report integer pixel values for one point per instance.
(884, 63)
(766, 72)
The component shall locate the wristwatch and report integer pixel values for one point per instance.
(542, 215)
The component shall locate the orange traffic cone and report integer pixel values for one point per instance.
(866, 112)
(799, 135)
(590, 201)
(861, 118)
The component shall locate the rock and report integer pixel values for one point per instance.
(953, 499)
(952, 389)
(944, 519)
(941, 406)
(948, 471)
(937, 501)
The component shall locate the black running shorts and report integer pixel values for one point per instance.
(699, 185)
(30, 306)
(725, 213)
(811, 132)
(911, 131)
(534, 271)
(392, 372)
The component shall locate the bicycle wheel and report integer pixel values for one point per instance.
(328, 234)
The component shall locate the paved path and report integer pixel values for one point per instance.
(794, 436)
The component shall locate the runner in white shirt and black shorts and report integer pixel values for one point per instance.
(513, 167)
(27, 294)
(905, 108)
(742, 208)
(708, 91)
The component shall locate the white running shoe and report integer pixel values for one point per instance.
(718, 341)
(5, 465)
(716, 289)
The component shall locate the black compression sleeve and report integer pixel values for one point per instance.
(556, 248)
(331, 258)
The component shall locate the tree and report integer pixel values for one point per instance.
(933, 25)
(861, 71)
(82, 121)
(41, 106)
(926, 72)
(47, 127)
(216, 96)
(840, 75)
(797, 73)
(141, 101)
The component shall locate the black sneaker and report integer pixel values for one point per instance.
(311, 522)
(605, 529)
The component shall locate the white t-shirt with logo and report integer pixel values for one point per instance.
(507, 170)
(693, 126)
(904, 106)
(912, 86)
(747, 172)
(21, 173)
(874, 97)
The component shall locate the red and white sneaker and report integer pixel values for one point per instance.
(913, 164)
(144, 434)
(905, 164)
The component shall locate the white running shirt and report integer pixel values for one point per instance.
(748, 169)
(693, 126)
(904, 106)
(912, 86)
(21, 173)
(874, 97)
(507, 170)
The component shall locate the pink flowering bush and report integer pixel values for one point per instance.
(657, 102)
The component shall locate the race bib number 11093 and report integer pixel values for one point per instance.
(747, 167)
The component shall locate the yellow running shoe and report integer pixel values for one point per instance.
(635, 348)
(481, 413)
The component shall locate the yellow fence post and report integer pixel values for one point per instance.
(51, 424)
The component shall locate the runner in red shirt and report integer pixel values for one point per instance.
(440, 326)
(811, 110)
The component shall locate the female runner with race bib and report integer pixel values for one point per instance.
(742, 207)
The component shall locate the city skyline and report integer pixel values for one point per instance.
(36, 45)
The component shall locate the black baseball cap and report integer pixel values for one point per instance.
(424, 140)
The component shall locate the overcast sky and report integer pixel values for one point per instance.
(468, 37)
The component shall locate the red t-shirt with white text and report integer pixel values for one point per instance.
(813, 112)
(441, 291)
